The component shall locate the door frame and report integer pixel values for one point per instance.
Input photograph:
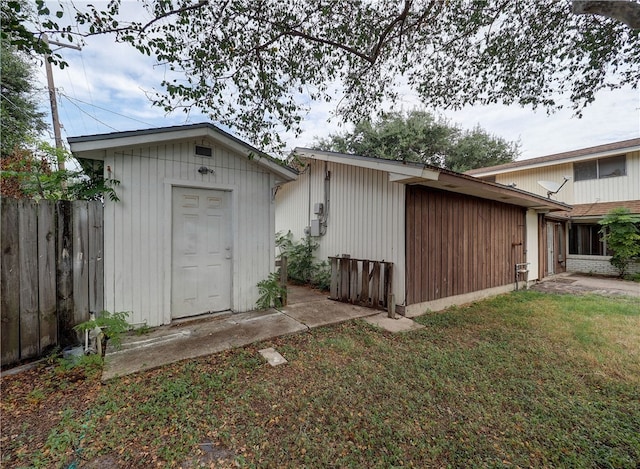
(169, 184)
(551, 249)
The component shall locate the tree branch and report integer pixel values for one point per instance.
(627, 12)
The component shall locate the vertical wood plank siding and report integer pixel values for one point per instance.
(366, 214)
(458, 244)
(137, 244)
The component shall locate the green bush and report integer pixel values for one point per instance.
(302, 268)
(621, 233)
(322, 276)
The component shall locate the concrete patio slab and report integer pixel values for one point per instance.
(192, 340)
(573, 283)
(323, 312)
(208, 335)
(400, 324)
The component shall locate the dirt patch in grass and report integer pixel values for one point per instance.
(525, 380)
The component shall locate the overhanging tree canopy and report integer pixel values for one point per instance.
(257, 65)
(420, 137)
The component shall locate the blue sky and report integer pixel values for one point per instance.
(106, 89)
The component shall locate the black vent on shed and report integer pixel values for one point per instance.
(203, 151)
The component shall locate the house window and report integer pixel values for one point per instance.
(600, 169)
(585, 239)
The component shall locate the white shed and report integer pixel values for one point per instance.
(193, 231)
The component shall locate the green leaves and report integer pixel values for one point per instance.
(621, 232)
(418, 136)
(244, 63)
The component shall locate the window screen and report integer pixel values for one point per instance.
(611, 167)
(585, 170)
(599, 169)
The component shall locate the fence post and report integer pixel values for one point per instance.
(333, 288)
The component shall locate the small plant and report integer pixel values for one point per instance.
(112, 325)
(271, 292)
(302, 268)
(300, 261)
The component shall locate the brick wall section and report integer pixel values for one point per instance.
(597, 265)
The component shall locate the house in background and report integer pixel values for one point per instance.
(452, 238)
(194, 229)
(598, 179)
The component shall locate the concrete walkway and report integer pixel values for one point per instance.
(307, 309)
(577, 284)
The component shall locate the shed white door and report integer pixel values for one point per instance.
(201, 252)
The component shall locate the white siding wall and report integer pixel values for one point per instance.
(612, 189)
(528, 180)
(580, 192)
(366, 214)
(532, 245)
(138, 227)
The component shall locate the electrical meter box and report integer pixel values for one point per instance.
(318, 208)
(315, 227)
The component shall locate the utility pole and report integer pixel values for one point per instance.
(52, 97)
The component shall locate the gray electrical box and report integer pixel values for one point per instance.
(318, 208)
(315, 227)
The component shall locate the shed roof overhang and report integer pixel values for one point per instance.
(403, 172)
(95, 146)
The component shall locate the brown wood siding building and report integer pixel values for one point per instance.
(457, 244)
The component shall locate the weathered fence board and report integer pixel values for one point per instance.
(47, 274)
(96, 258)
(10, 283)
(361, 281)
(80, 262)
(28, 268)
(41, 280)
(64, 271)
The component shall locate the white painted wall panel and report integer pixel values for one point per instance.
(527, 180)
(137, 228)
(580, 192)
(614, 188)
(366, 214)
(532, 244)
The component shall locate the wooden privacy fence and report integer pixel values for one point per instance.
(362, 282)
(51, 273)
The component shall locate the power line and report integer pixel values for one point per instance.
(107, 110)
(85, 112)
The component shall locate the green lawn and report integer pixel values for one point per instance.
(525, 379)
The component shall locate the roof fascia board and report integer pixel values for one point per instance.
(415, 173)
(540, 202)
(557, 162)
(398, 169)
